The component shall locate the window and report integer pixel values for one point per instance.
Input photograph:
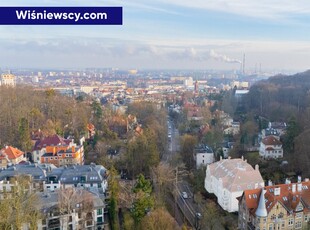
(290, 222)
(203, 161)
(99, 211)
(264, 220)
(99, 220)
(298, 215)
(298, 225)
(270, 227)
(306, 218)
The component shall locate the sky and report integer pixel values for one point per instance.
(167, 34)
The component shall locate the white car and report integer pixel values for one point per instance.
(184, 195)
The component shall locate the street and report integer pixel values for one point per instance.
(187, 206)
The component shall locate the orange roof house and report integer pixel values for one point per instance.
(12, 155)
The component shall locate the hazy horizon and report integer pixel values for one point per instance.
(194, 35)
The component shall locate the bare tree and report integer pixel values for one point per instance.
(72, 199)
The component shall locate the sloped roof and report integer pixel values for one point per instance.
(271, 140)
(287, 198)
(236, 174)
(12, 152)
(51, 141)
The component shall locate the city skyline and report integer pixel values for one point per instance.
(167, 35)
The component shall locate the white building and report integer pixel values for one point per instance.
(203, 156)
(270, 147)
(8, 80)
(234, 129)
(228, 178)
(188, 82)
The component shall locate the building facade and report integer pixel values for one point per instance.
(228, 178)
(280, 207)
(203, 156)
(11, 156)
(8, 80)
(58, 151)
(270, 147)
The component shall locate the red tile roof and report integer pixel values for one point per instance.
(51, 141)
(271, 140)
(12, 152)
(286, 197)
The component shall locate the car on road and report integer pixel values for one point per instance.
(198, 215)
(184, 195)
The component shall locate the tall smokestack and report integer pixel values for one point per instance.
(243, 65)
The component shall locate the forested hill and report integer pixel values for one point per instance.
(286, 98)
(299, 79)
(280, 97)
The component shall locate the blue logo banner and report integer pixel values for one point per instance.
(61, 15)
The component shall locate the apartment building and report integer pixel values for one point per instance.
(280, 207)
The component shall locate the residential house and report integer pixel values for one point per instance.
(87, 176)
(270, 147)
(63, 155)
(203, 155)
(226, 148)
(283, 206)
(234, 129)
(8, 80)
(57, 150)
(48, 178)
(228, 178)
(280, 127)
(40, 146)
(271, 132)
(85, 210)
(36, 172)
(11, 156)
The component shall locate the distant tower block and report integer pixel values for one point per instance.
(196, 87)
(243, 65)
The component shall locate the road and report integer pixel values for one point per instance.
(186, 206)
(173, 141)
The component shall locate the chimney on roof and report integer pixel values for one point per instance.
(269, 183)
(261, 210)
(299, 187)
(221, 158)
(306, 179)
(257, 167)
(6, 147)
(299, 179)
(287, 181)
(242, 157)
(293, 188)
(73, 149)
(277, 191)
